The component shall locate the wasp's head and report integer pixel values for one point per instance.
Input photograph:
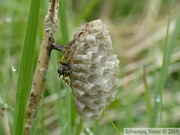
(64, 70)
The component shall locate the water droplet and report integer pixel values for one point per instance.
(14, 68)
(8, 20)
(157, 98)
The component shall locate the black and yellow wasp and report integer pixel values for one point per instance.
(63, 69)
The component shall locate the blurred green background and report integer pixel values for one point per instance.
(142, 35)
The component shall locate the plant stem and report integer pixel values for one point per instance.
(42, 65)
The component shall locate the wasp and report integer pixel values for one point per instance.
(64, 70)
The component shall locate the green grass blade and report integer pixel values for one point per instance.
(79, 127)
(173, 105)
(117, 131)
(26, 66)
(65, 40)
(63, 23)
(166, 62)
(68, 111)
(96, 128)
(87, 10)
(160, 85)
(147, 97)
(56, 88)
(130, 100)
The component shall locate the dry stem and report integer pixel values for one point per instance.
(42, 65)
(4, 115)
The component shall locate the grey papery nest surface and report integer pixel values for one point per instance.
(95, 68)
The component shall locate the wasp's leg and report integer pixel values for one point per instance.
(66, 81)
(71, 75)
(70, 57)
(61, 59)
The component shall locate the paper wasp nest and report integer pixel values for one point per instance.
(95, 68)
